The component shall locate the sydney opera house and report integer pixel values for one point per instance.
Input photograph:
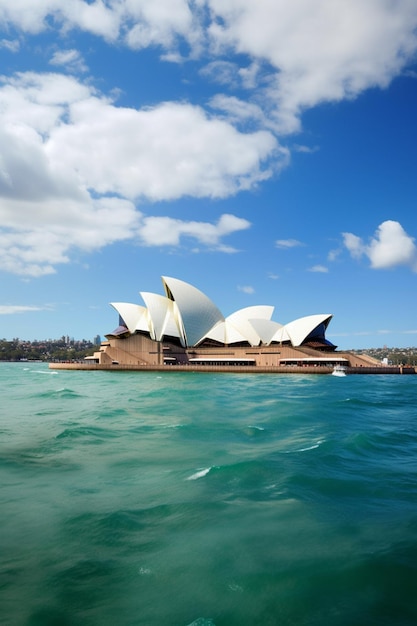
(184, 327)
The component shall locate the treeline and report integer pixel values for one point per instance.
(64, 350)
(59, 350)
(395, 356)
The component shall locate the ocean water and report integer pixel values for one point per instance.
(130, 499)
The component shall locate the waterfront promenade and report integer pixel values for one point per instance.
(236, 369)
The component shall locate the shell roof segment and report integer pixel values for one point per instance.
(197, 313)
(241, 320)
(162, 315)
(134, 316)
(301, 328)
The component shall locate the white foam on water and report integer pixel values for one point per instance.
(312, 447)
(199, 474)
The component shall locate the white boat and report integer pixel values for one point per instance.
(339, 370)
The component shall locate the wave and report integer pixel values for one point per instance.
(47, 372)
(93, 433)
(313, 446)
(62, 393)
(199, 474)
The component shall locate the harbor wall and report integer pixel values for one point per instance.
(236, 369)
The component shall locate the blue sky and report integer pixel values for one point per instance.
(265, 153)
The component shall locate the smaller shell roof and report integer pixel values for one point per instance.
(241, 320)
(266, 329)
(301, 328)
(161, 313)
(226, 333)
(134, 316)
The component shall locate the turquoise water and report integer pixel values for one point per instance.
(131, 499)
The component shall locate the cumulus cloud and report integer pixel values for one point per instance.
(137, 23)
(34, 17)
(159, 23)
(162, 153)
(390, 247)
(56, 196)
(321, 51)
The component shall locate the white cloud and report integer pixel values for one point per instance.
(12, 309)
(246, 289)
(300, 53)
(365, 333)
(238, 111)
(321, 269)
(56, 196)
(72, 60)
(321, 50)
(12, 45)
(166, 231)
(222, 72)
(162, 153)
(305, 149)
(32, 17)
(354, 244)
(37, 236)
(286, 244)
(333, 255)
(231, 74)
(139, 23)
(159, 23)
(390, 247)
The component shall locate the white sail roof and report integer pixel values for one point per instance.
(134, 316)
(162, 316)
(240, 320)
(266, 329)
(197, 314)
(225, 333)
(281, 335)
(299, 329)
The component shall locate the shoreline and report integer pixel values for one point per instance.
(236, 369)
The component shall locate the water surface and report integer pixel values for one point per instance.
(157, 499)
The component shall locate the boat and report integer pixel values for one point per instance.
(339, 370)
